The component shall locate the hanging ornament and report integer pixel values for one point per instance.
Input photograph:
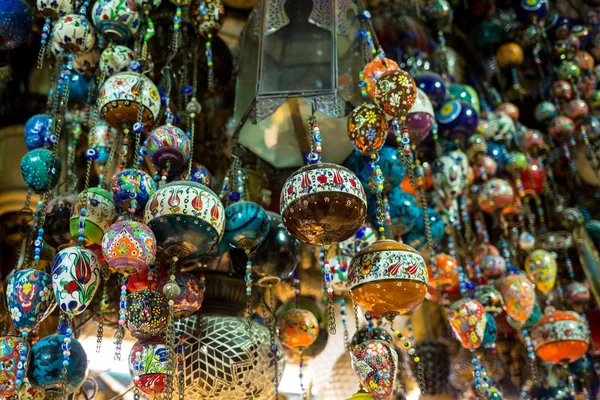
(75, 278)
(41, 170)
(448, 177)
(29, 298)
(496, 194)
(38, 132)
(15, 24)
(146, 313)
(13, 351)
(541, 268)
(73, 34)
(457, 120)
(148, 365)
(364, 237)
(187, 293)
(100, 213)
(46, 360)
(375, 363)
(420, 118)
(200, 174)
(433, 86)
(388, 278)
(367, 128)
(129, 247)
(116, 20)
(56, 225)
(187, 218)
(490, 298)
(115, 59)
(468, 322)
(131, 189)
(323, 204)
(298, 328)
(168, 147)
(510, 55)
(561, 337)
(519, 296)
(490, 334)
(374, 70)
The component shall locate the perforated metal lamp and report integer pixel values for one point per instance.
(296, 55)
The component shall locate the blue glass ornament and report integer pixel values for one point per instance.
(498, 153)
(417, 238)
(457, 119)
(246, 225)
(404, 211)
(37, 172)
(46, 363)
(38, 131)
(30, 298)
(532, 11)
(201, 174)
(132, 184)
(490, 333)
(558, 27)
(434, 87)
(15, 23)
(79, 87)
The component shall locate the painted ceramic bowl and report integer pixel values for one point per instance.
(323, 204)
(38, 132)
(146, 313)
(187, 219)
(168, 145)
(101, 212)
(74, 34)
(46, 362)
(121, 97)
(40, 169)
(116, 59)
(388, 278)
(76, 276)
(129, 185)
(116, 20)
(148, 365)
(129, 246)
(561, 337)
(15, 24)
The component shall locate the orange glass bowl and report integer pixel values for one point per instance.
(388, 278)
(561, 337)
(298, 328)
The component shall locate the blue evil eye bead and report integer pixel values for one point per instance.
(38, 131)
(312, 157)
(40, 169)
(91, 154)
(15, 23)
(200, 174)
(138, 127)
(135, 66)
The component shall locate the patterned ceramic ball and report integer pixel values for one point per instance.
(15, 24)
(373, 71)
(457, 119)
(100, 213)
(117, 20)
(58, 215)
(207, 16)
(38, 132)
(201, 174)
(495, 195)
(55, 9)
(168, 145)
(561, 337)
(146, 313)
(74, 34)
(29, 298)
(131, 189)
(545, 111)
(129, 246)
(86, 63)
(560, 128)
(434, 87)
(367, 128)
(148, 365)
(395, 92)
(40, 169)
(116, 59)
(46, 362)
(509, 55)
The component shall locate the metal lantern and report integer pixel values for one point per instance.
(296, 56)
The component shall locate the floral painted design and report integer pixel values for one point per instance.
(75, 277)
(27, 307)
(375, 363)
(468, 322)
(129, 246)
(395, 92)
(387, 264)
(150, 365)
(101, 212)
(10, 347)
(367, 128)
(168, 142)
(72, 35)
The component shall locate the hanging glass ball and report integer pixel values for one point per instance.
(46, 364)
(339, 268)
(509, 55)
(576, 109)
(447, 271)
(15, 24)
(541, 268)
(116, 20)
(129, 247)
(420, 118)
(200, 174)
(495, 195)
(395, 92)
(545, 111)
(207, 16)
(85, 63)
(40, 169)
(76, 278)
(403, 210)
(457, 119)
(168, 145)
(493, 266)
(388, 278)
(375, 363)
(100, 213)
(433, 86)
(56, 225)
(367, 128)
(392, 168)
(298, 328)
(448, 177)
(132, 185)
(55, 9)
(464, 93)
(38, 132)
(533, 141)
(10, 357)
(561, 337)
(187, 218)
(116, 59)
(223, 360)
(29, 298)
(123, 94)
(73, 34)
(561, 128)
(577, 294)
(148, 365)
(323, 204)
(519, 296)
(187, 295)
(490, 298)
(561, 90)
(274, 259)
(146, 313)
(468, 322)
(102, 140)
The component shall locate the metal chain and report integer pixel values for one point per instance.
(421, 379)
(274, 347)
(103, 306)
(136, 394)
(170, 340)
(355, 306)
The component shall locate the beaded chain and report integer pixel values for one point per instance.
(171, 290)
(328, 276)
(103, 306)
(343, 312)
(301, 369)
(407, 345)
(273, 342)
(122, 319)
(248, 279)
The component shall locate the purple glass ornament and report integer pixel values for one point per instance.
(168, 145)
(434, 87)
